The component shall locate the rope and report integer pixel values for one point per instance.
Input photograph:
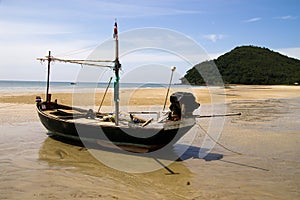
(96, 63)
(78, 51)
(240, 164)
(221, 145)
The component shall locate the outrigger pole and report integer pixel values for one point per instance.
(116, 68)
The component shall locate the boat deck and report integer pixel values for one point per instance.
(74, 116)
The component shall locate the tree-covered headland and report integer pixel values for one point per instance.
(246, 65)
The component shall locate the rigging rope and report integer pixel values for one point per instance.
(78, 51)
(96, 63)
(221, 145)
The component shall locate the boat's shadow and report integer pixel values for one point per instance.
(179, 152)
(194, 152)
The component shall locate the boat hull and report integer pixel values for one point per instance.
(131, 138)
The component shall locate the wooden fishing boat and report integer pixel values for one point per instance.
(132, 132)
(77, 124)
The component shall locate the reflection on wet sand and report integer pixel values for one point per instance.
(78, 160)
(57, 151)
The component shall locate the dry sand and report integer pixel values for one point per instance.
(34, 166)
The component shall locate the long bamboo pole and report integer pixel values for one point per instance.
(173, 69)
(219, 115)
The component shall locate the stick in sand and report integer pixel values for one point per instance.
(104, 94)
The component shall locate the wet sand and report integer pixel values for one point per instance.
(267, 134)
(156, 96)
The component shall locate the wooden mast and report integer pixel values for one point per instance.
(116, 68)
(48, 99)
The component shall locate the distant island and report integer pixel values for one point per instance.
(248, 65)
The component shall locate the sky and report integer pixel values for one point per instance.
(74, 29)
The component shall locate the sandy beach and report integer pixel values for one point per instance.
(267, 136)
(156, 96)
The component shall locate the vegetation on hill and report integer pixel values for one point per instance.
(246, 65)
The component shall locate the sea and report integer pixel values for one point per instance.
(39, 86)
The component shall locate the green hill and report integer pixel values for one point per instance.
(247, 65)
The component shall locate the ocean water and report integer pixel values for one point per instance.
(38, 86)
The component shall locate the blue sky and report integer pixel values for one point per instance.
(30, 28)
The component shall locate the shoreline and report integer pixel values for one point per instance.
(156, 96)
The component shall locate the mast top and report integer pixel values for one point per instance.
(115, 65)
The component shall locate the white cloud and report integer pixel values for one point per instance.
(19, 28)
(91, 9)
(255, 19)
(215, 55)
(134, 9)
(286, 17)
(214, 37)
(18, 59)
(290, 52)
